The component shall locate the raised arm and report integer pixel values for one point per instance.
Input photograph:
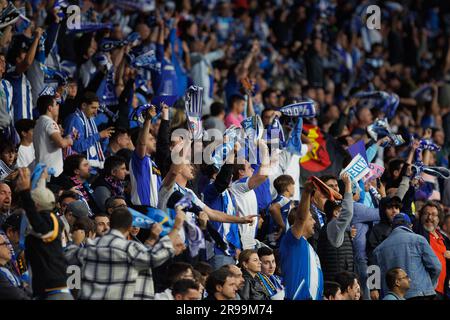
(336, 227)
(219, 216)
(263, 172)
(304, 207)
(144, 133)
(29, 58)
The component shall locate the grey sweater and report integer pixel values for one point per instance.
(336, 228)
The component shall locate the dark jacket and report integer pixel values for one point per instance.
(66, 183)
(334, 260)
(335, 247)
(380, 231)
(10, 286)
(252, 289)
(46, 259)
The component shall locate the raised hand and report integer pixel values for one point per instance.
(24, 180)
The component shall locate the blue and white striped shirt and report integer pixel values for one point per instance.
(22, 96)
(145, 181)
(228, 231)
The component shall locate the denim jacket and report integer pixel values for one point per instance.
(411, 252)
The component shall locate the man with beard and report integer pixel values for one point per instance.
(429, 217)
(75, 177)
(5, 202)
(407, 250)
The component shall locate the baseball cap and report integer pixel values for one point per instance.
(78, 209)
(13, 221)
(43, 198)
(401, 219)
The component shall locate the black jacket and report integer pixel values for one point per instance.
(8, 289)
(378, 232)
(46, 259)
(335, 260)
(252, 289)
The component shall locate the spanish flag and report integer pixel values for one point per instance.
(326, 157)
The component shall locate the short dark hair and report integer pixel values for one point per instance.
(43, 102)
(204, 268)
(89, 97)
(118, 131)
(236, 168)
(68, 194)
(326, 178)
(176, 269)
(267, 110)
(101, 214)
(126, 154)
(84, 223)
(72, 163)
(121, 219)
(329, 208)
(7, 146)
(217, 278)
(24, 125)
(109, 203)
(395, 164)
(282, 182)
(346, 279)
(111, 163)
(391, 277)
(330, 288)
(183, 286)
(217, 108)
(266, 94)
(236, 98)
(264, 251)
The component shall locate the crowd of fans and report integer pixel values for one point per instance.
(94, 93)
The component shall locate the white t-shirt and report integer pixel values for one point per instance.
(247, 205)
(25, 156)
(165, 193)
(164, 196)
(46, 150)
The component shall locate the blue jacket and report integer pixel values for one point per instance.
(411, 252)
(363, 216)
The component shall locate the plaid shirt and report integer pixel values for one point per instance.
(114, 268)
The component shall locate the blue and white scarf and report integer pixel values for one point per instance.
(193, 107)
(86, 27)
(294, 143)
(139, 5)
(303, 109)
(386, 102)
(107, 90)
(380, 128)
(94, 154)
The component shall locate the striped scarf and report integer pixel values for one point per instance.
(94, 154)
(193, 106)
(5, 170)
(272, 285)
